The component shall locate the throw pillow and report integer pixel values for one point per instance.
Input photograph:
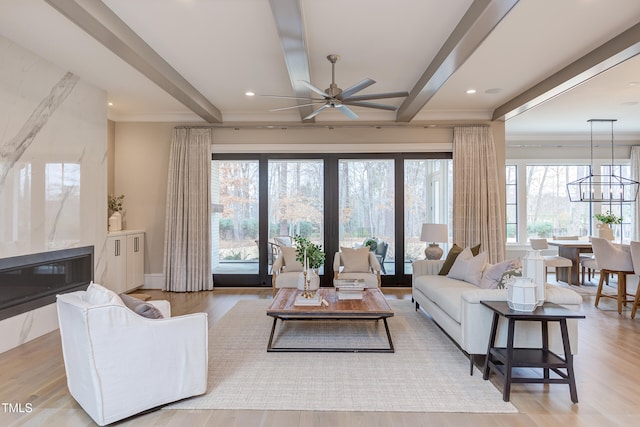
(99, 295)
(452, 255)
(355, 260)
(140, 307)
(468, 267)
(493, 273)
(509, 275)
(290, 262)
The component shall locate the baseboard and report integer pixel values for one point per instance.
(153, 281)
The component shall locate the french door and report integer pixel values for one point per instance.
(335, 200)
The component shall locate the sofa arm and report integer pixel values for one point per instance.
(424, 267)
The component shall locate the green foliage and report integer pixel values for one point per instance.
(540, 229)
(115, 203)
(608, 218)
(372, 243)
(315, 256)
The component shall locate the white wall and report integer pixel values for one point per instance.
(50, 121)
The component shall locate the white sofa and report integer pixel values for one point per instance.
(119, 363)
(455, 306)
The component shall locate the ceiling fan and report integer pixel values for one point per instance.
(334, 97)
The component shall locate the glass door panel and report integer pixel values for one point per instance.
(427, 199)
(296, 202)
(234, 218)
(366, 207)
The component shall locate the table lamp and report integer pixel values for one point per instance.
(434, 233)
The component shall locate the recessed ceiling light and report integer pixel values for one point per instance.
(249, 93)
(110, 104)
(634, 83)
(471, 91)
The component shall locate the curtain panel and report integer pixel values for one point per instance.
(635, 175)
(477, 210)
(187, 243)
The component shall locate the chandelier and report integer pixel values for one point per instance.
(603, 188)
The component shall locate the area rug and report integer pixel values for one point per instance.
(427, 372)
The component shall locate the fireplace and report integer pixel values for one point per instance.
(31, 281)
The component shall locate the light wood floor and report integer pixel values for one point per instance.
(607, 372)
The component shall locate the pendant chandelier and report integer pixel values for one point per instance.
(603, 188)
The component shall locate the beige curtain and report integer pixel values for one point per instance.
(187, 243)
(635, 175)
(477, 210)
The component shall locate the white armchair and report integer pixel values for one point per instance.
(357, 264)
(119, 363)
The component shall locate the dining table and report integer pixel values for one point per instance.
(571, 249)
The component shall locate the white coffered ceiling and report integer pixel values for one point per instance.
(208, 53)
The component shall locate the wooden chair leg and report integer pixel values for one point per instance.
(636, 301)
(582, 281)
(569, 271)
(600, 283)
(622, 291)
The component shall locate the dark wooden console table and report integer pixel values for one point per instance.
(502, 360)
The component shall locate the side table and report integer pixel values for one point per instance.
(503, 360)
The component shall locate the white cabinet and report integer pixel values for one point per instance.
(125, 260)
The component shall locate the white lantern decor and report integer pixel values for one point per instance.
(533, 268)
(521, 295)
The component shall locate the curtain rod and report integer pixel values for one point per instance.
(326, 126)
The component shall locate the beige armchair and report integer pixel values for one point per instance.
(635, 259)
(357, 264)
(286, 269)
(613, 259)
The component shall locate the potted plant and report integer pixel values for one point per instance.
(604, 228)
(608, 218)
(372, 244)
(314, 254)
(115, 208)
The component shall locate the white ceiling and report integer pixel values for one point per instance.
(224, 48)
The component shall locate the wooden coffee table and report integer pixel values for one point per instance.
(373, 306)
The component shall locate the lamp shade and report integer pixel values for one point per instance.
(434, 233)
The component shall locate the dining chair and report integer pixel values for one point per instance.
(589, 266)
(635, 259)
(554, 261)
(613, 259)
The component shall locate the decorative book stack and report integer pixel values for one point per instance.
(349, 289)
(315, 300)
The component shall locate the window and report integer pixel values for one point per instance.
(512, 203)
(333, 199)
(538, 205)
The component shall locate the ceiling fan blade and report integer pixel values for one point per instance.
(315, 113)
(294, 106)
(371, 105)
(356, 88)
(347, 111)
(291, 97)
(313, 88)
(377, 96)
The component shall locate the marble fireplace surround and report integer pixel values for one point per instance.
(32, 281)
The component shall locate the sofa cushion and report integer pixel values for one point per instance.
(507, 276)
(452, 255)
(290, 262)
(140, 307)
(493, 273)
(444, 292)
(468, 267)
(355, 260)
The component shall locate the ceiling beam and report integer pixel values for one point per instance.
(624, 46)
(288, 18)
(100, 22)
(476, 24)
